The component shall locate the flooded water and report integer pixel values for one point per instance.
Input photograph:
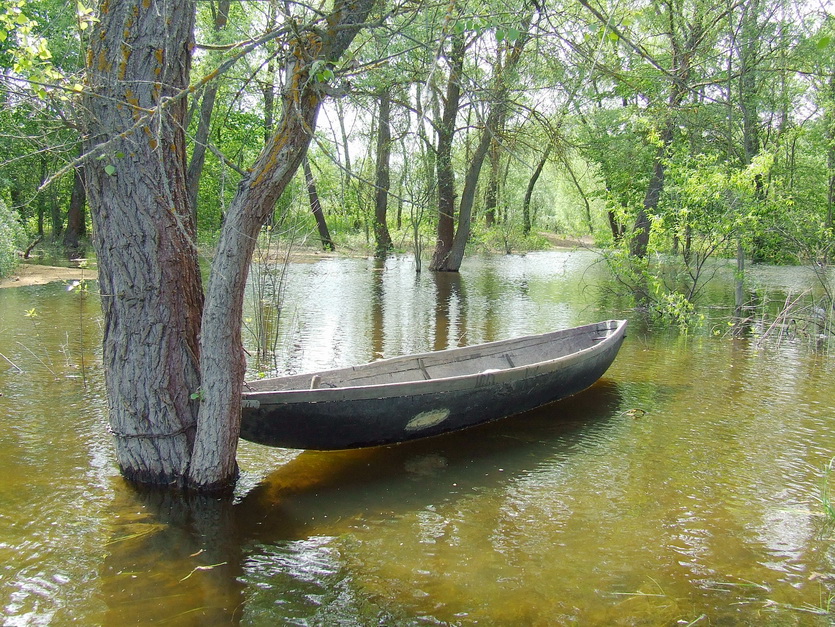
(683, 488)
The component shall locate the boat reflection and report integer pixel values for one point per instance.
(327, 492)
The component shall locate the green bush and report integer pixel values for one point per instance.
(11, 239)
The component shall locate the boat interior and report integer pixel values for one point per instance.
(456, 362)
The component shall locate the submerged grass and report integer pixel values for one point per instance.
(826, 491)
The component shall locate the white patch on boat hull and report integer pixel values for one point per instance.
(427, 419)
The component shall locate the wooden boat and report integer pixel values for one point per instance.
(416, 396)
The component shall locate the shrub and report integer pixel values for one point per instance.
(11, 239)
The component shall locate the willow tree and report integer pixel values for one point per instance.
(452, 239)
(174, 362)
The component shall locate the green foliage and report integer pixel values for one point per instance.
(714, 202)
(619, 143)
(240, 136)
(27, 53)
(661, 286)
(505, 237)
(11, 239)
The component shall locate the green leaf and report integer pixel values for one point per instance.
(824, 42)
(325, 75)
(110, 170)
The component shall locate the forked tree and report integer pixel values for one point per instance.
(174, 362)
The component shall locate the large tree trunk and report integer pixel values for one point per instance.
(144, 234)
(175, 404)
(223, 364)
(382, 237)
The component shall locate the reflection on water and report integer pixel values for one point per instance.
(682, 485)
(340, 313)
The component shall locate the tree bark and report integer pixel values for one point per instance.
(455, 257)
(491, 197)
(56, 218)
(41, 204)
(682, 54)
(316, 207)
(494, 122)
(382, 237)
(346, 183)
(144, 233)
(639, 245)
(618, 229)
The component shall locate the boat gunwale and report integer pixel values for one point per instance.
(614, 327)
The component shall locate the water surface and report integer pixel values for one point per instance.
(683, 486)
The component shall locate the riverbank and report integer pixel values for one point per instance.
(27, 274)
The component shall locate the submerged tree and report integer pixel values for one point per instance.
(382, 178)
(452, 237)
(174, 365)
(316, 207)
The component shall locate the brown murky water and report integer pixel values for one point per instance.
(682, 488)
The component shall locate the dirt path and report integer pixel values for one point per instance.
(587, 241)
(31, 274)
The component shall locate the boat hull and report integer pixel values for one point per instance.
(360, 416)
